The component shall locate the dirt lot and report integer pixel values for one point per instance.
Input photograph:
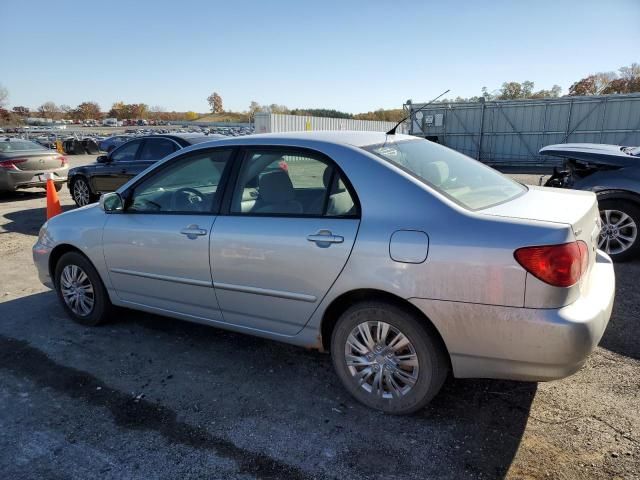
(150, 397)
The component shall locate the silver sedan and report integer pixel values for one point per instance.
(405, 259)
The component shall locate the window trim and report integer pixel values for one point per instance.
(244, 152)
(127, 195)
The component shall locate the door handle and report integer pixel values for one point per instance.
(325, 237)
(193, 231)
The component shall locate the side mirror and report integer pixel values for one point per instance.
(111, 202)
(103, 159)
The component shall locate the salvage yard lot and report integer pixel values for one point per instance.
(151, 397)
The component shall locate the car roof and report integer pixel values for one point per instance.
(341, 137)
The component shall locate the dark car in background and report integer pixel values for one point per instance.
(613, 173)
(88, 182)
(113, 142)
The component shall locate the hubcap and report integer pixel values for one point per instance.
(81, 192)
(77, 290)
(618, 232)
(381, 359)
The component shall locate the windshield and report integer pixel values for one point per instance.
(19, 146)
(464, 180)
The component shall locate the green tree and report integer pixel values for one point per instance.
(21, 111)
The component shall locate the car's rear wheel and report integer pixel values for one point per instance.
(81, 290)
(81, 192)
(620, 223)
(387, 358)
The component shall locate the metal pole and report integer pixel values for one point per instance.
(481, 131)
(566, 132)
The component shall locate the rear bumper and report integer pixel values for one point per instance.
(15, 179)
(513, 343)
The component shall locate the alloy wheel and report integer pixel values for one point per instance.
(77, 290)
(619, 232)
(381, 359)
(81, 192)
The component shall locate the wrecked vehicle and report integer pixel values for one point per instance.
(613, 173)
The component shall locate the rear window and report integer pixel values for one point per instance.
(467, 182)
(19, 146)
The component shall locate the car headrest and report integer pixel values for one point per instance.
(276, 187)
(437, 172)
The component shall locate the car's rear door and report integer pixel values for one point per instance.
(157, 249)
(276, 251)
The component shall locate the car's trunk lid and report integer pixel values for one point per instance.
(578, 209)
(35, 160)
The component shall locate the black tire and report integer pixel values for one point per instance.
(433, 361)
(75, 189)
(58, 186)
(631, 209)
(102, 306)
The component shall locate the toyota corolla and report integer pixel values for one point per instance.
(405, 259)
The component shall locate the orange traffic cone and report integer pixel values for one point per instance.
(53, 202)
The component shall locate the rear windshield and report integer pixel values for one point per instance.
(462, 179)
(19, 146)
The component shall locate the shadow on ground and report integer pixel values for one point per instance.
(28, 222)
(270, 391)
(21, 195)
(623, 331)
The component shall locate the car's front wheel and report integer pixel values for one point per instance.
(81, 290)
(619, 233)
(81, 192)
(387, 358)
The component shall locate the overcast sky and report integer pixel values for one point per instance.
(353, 56)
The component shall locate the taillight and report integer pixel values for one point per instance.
(557, 265)
(63, 161)
(584, 256)
(12, 164)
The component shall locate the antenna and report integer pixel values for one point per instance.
(393, 130)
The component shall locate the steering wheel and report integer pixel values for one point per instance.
(193, 199)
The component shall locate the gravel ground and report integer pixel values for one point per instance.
(151, 397)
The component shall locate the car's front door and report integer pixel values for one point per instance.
(286, 235)
(157, 249)
(107, 177)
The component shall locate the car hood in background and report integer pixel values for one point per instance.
(593, 153)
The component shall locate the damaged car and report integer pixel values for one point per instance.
(613, 173)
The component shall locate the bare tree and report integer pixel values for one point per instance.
(48, 109)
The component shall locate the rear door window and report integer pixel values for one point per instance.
(157, 148)
(126, 152)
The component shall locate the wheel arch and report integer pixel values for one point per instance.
(341, 303)
(613, 194)
(57, 253)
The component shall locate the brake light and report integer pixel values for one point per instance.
(12, 164)
(558, 265)
(63, 161)
(584, 257)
